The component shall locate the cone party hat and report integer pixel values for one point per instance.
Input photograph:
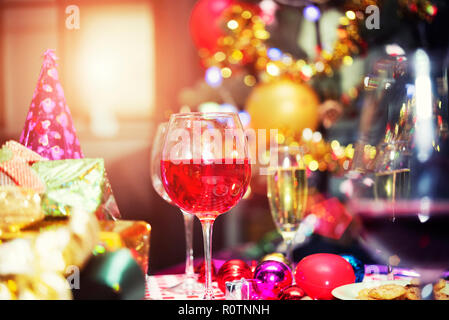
(49, 129)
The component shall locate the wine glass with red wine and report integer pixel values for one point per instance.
(401, 167)
(205, 170)
(189, 284)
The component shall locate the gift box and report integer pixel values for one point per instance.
(35, 259)
(330, 218)
(15, 170)
(113, 236)
(134, 235)
(71, 183)
(19, 207)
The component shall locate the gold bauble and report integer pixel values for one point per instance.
(276, 256)
(284, 105)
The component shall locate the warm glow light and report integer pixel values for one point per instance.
(272, 69)
(347, 60)
(350, 15)
(232, 24)
(226, 72)
(249, 80)
(114, 64)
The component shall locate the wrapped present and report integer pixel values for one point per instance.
(15, 170)
(113, 235)
(23, 153)
(60, 242)
(331, 218)
(71, 183)
(34, 261)
(134, 235)
(21, 277)
(108, 208)
(19, 207)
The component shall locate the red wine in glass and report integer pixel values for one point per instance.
(205, 170)
(206, 189)
(415, 231)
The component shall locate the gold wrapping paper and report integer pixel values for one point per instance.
(34, 260)
(19, 207)
(134, 235)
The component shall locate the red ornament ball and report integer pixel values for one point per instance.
(233, 270)
(291, 293)
(200, 269)
(253, 265)
(205, 21)
(319, 274)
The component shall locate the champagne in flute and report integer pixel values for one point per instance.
(393, 184)
(287, 195)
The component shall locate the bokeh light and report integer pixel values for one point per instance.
(312, 13)
(213, 77)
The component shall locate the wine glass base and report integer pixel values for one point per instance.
(188, 286)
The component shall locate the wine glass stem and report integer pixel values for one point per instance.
(390, 272)
(188, 224)
(207, 239)
(289, 253)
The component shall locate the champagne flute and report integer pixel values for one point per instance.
(287, 193)
(189, 283)
(205, 169)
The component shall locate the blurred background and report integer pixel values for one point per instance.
(132, 63)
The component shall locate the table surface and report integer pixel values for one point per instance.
(157, 287)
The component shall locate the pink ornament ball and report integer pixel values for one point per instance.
(274, 277)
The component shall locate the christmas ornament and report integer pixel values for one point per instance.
(274, 277)
(205, 24)
(276, 256)
(296, 106)
(49, 129)
(245, 41)
(292, 293)
(357, 265)
(318, 274)
(200, 270)
(253, 265)
(111, 276)
(232, 270)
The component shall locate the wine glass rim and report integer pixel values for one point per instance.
(204, 114)
(287, 148)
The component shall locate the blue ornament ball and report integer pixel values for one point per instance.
(357, 265)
